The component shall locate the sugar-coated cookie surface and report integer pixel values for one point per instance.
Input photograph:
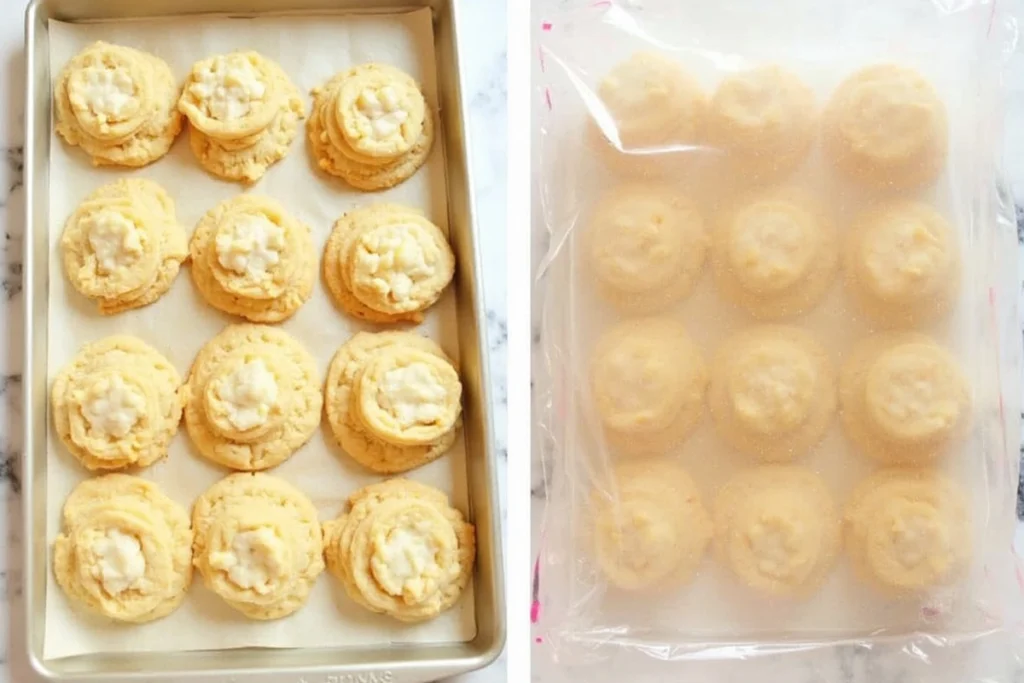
(908, 530)
(252, 259)
(117, 404)
(393, 400)
(122, 247)
(646, 245)
(252, 397)
(777, 529)
(648, 381)
(903, 398)
(244, 113)
(258, 544)
(371, 126)
(125, 551)
(118, 105)
(650, 529)
(400, 549)
(773, 392)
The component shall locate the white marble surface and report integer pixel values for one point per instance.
(483, 54)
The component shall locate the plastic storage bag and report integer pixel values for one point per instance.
(780, 387)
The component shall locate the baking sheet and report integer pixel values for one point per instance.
(310, 49)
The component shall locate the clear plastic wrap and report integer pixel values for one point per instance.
(779, 392)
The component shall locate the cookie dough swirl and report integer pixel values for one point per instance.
(772, 392)
(650, 528)
(400, 549)
(903, 398)
(117, 404)
(908, 530)
(393, 400)
(371, 126)
(122, 246)
(774, 255)
(125, 551)
(251, 259)
(252, 397)
(648, 381)
(886, 127)
(902, 264)
(257, 544)
(777, 528)
(118, 105)
(244, 112)
(386, 263)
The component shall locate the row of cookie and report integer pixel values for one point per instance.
(777, 528)
(127, 551)
(122, 247)
(370, 125)
(884, 126)
(252, 398)
(774, 255)
(772, 392)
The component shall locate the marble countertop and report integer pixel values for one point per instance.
(483, 55)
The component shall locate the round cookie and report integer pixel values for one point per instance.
(652, 112)
(902, 264)
(370, 126)
(651, 529)
(250, 258)
(886, 127)
(908, 530)
(648, 382)
(117, 404)
(774, 255)
(400, 549)
(646, 246)
(772, 393)
(386, 263)
(903, 398)
(252, 397)
(777, 529)
(343, 399)
(258, 544)
(118, 105)
(122, 246)
(764, 119)
(244, 113)
(125, 551)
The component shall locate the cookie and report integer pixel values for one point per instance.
(244, 113)
(251, 259)
(902, 264)
(774, 254)
(772, 393)
(777, 529)
(125, 551)
(258, 544)
(400, 549)
(648, 381)
(886, 127)
(646, 246)
(903, 398)
(386, 263)
(764, 120)
(650, 528)
(117, 404)
(650, 115)
(118, 105)
(908, 530)
(252, 397)
(408, 398)
(370, 126)
(122, 246)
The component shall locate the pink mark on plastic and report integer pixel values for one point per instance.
(538, 640)
(535, 605)
(540, 56)
(991, 19)
(546, 26)
(1020, 574)
(929, 612)
(602, 3)
(547, 98)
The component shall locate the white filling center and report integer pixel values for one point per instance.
(413, 395)
(228, 87)
(108, 91)
(121, 563)
(111, 407)
(251, 246)
(249, 393)
(384, 109)
(113, 238)
(396, 260)
(254, 560)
